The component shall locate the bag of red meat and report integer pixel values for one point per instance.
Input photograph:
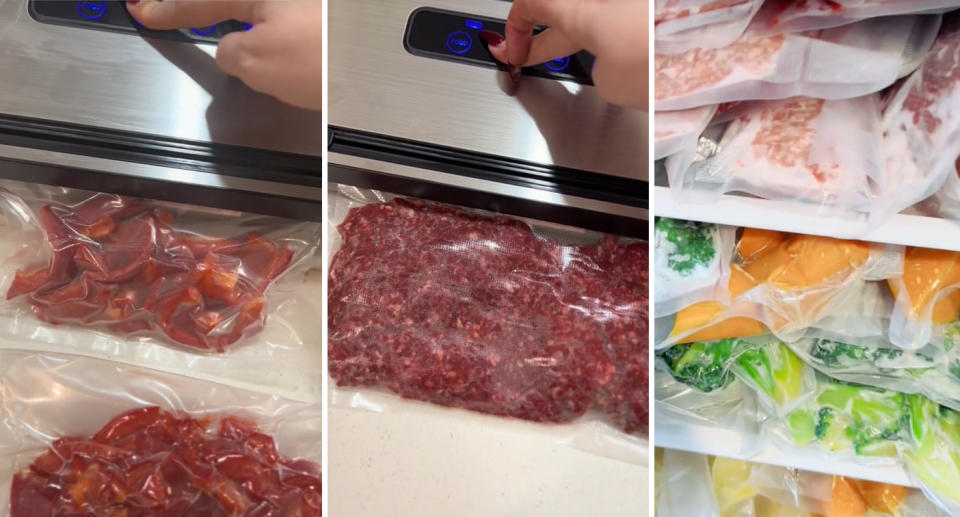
(467, 310)
(804, 150)
(144, 270)
(922, 129)
(678, 131)
(840, 63)
(82, 436)
(682, 25)
(783, 16)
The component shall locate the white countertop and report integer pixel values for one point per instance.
(435, 461)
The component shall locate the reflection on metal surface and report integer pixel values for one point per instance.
(480, 185)
(378, 87)
(123, 82)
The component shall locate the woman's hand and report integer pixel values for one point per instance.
(615, 31)
(279, 56)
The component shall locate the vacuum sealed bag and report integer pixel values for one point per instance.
(840, 63)
(782, 283)
(928, 297)
(141, 270)
(488, 313)
(83, 436)
(792, 16)
(801, 149)
(691, 262)
(681, 25)
(922, 126)
(678, 131)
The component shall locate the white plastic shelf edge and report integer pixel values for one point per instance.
(903, 229)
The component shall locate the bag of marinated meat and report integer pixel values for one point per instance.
(459, 308)
(84, 436)
(922, 125)
(839, 63)
(682, 25)
(691, 262)
(137, 270)
(800, 149)
(782, 283)
(678, 131)
(927, 293)
(781, 16)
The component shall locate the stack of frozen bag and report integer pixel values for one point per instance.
(842, 347)
(842, 107)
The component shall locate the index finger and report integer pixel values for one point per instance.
(181, 14)
(525, 15)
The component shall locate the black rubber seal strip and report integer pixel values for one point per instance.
(144, 149)
(491, 168)
(561, 180)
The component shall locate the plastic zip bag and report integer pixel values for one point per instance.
(840, 63)
(780, 16)
(797, 150)
(691, 262)
(46, 397)
(681, 25)
(921, 126)
(147, 271)
(425, 299)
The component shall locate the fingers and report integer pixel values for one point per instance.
(527, 14)
(180, 14)
(550, 44)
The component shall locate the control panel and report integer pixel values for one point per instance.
(452, 36)
(112, 15)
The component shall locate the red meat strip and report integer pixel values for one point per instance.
(476, 312)
(150, 462)
(124, 267)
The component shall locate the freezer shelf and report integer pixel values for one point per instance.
(720, 441)
(903, 229)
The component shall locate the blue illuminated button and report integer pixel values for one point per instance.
(92, 9)
(474, 24)
(558, 65)
(205, 30)
(459, 42)
(247, 26)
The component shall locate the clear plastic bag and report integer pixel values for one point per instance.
(921, 125)
(780, 16)
(490, 314)
(678, 131)
(61, 400)
(143, 271)
(682, 25)
(839, 63)
(797, 150)
(783, 283)
(692, 472)
(691, 263)
(927, 297)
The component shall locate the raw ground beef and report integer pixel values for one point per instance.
(477, 312)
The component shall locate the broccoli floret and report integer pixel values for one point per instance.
(693, 243)
(835, 354)
(703, 366)
(824, 420)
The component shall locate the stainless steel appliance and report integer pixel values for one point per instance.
(89, 99)
(418, 107)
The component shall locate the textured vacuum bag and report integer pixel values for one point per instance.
(779, 16)
(488, 313)
(691, 263)
(682, 25)
(70, 429)
(839, 63)
(678, 131)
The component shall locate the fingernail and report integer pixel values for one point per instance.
(491, 38)
(514, 72)
(132, 2)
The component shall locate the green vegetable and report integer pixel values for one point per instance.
(693, 243)
(835, 354)
(701, 365)
(824, 420)
(955, 369)
(802, 427)
(775, 370)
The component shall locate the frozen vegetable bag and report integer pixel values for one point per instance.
(83, 436)
(489, 313)
(135, 270)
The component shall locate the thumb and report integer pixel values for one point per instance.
(179, 14)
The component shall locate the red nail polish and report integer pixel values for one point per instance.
(491, 38)
(514, 72)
